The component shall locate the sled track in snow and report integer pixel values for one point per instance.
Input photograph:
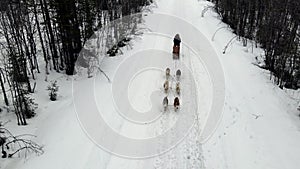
(189, 153)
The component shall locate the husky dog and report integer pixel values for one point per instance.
(178, 88)
(166, 86)
(168, 73)
(176, 103)
(178, 74)
(165, 103)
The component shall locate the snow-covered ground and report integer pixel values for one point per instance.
(259, 127)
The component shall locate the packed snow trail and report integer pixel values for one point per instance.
(257, 129)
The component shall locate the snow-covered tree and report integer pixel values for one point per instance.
(53, 89)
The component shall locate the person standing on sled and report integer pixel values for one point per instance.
(176, 47)
(177, 40)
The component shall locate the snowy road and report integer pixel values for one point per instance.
(181, 144)
(162, 28)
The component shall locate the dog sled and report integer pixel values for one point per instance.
(176, 46)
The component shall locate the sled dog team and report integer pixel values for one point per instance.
(166, 85)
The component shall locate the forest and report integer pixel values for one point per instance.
(272, 25)
(50, 33)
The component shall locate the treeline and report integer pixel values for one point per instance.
(274, 25)
(49, 33)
